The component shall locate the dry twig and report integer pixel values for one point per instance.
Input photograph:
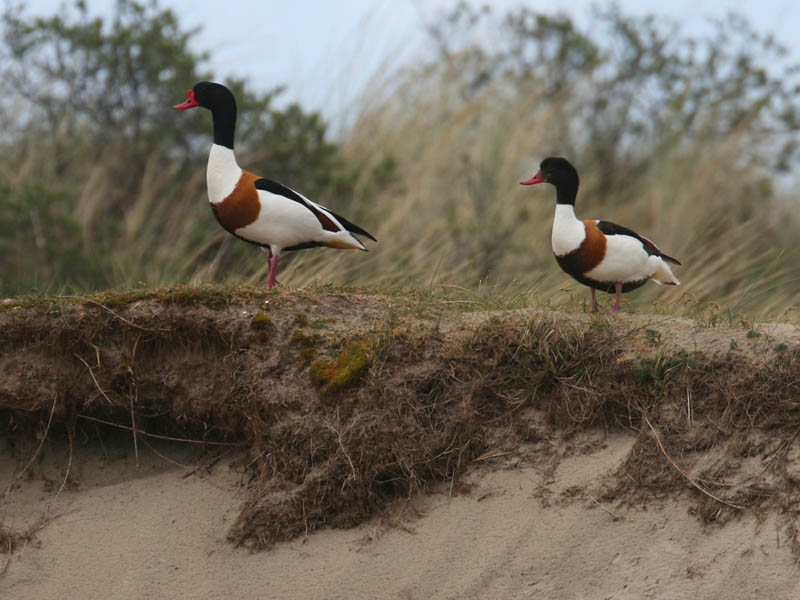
(118, 316)
(160, 437)
(94, 378)
(39, 447)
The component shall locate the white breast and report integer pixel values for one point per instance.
(222, 173)
(568, 231)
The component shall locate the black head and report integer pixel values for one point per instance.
(220, 101)
(555, 170)
(210, 95)
(560, 173)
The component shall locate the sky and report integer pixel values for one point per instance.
(324, 51)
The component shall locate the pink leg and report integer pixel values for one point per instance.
(595, 305)
(273, 270)
(268, 253)
(617, 297)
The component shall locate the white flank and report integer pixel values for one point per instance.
(568, 231)
(222, 173)
(283, 223)
(627, 260)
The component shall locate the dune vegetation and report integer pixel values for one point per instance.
(335, 407)
(689, 139)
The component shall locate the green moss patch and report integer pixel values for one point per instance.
(342, 372)
(261, 322)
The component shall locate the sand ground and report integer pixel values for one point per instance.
(519, 532)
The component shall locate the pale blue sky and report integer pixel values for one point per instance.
(323, 50)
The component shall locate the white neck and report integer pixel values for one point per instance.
(568, 230)
(222, 173)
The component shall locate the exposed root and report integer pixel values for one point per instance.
(685, 475)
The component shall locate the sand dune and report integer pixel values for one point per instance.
(516, 533)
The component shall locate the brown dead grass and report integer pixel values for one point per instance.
(342, 403)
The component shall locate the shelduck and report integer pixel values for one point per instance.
(600, 254)
(257, 210)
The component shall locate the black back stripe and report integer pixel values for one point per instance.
(273, 187)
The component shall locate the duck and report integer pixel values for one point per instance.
(257, 210)
(598, 253)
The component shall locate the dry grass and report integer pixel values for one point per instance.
(450, 216)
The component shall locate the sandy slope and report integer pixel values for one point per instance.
(524, 524)
(519, 532)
